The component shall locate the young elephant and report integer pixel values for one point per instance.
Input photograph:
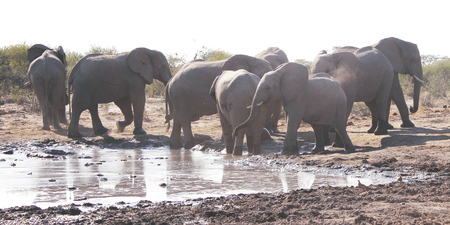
(319, 101)
(233, 92)
(47, 75)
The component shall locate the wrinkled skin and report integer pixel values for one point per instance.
(47, 75)
(365, 76)
(319, 101)
(405, 59)
(187, 93)
(233, 92)
(119, 78)
(275, 57)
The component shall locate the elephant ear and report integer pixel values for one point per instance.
(35, 51)
(294, 78)
(393, 49)
(61, 55)
(140, 61)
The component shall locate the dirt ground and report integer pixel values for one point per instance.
(424, 149)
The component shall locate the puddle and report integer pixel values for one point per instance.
(108, 176)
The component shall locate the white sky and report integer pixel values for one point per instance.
(300, 28)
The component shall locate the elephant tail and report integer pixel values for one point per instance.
(168, 116)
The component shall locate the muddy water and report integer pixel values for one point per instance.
(108, 176)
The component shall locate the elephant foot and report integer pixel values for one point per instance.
(289, 151)
(389, 126)
(57, 127)
(350, 149)
(318, 150)
(101, 131)
(256, 150)
(189, 144)
(74, 134)
(175, 145)
(381, 132)
(139, 131)
(121, 125)
(337, 144)
(237, 150)
(46, 127)
(372, 129)
(407, 123)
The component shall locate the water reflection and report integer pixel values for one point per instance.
(111, 175)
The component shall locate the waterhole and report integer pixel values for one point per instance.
(108, 176)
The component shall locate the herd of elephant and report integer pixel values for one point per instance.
(247, 92)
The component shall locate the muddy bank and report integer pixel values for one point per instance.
(420, 155)
(395, 203)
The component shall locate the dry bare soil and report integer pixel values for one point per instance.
(423, 149)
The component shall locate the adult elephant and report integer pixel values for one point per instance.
(319, 101)
(187, 93)
(405, 59)
(365, 76)
(119, 78)
(233, 92)
(47, 74)
(275, 56)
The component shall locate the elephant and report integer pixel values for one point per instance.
(47, 75)
(365, 76)
(119, 78)
(187, 93)
(233, 92)
(275, 56)
(405, 59)
(318, 100)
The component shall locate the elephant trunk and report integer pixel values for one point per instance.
(253, 113)
(418, 82)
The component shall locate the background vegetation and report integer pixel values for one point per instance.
(14, 64)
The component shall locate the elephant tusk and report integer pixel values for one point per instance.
(259, 104)
(421, 81)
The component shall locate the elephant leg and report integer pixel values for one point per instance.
(388, 110)
(44, 104)
(373, 111)
(275, 117)
(138, 108)
(55, 113)
(189, 141)
(347, 143)
(73, 126)
(227, 136)
(250, 143)
(62, 109)
(125, 106)
(290, 145)
(175, 136)
(318, 134)
(239, 142)
(326, 136)
(99, 129)
(399, 100)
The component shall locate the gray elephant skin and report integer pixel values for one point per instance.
(365, 76)
(233, 92)
(47, 74)
(187, 93)
(405, 59)
(119, 78)
(275, 56)
(319, 101)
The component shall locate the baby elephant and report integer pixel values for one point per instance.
(318, 100)
(326, 107)
(233, 92)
